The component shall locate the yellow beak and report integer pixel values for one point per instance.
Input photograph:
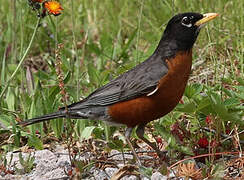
(206, 17)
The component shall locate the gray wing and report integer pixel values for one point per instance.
(139, 81)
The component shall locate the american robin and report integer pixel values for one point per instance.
(148, 91)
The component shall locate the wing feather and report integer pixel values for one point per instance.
(141, 80)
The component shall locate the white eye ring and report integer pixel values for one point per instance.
(187, 25)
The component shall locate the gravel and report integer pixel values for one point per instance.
(50, 165)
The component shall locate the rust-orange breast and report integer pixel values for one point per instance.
(170, 90)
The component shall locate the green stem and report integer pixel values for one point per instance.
(22, 59)
(139, 32)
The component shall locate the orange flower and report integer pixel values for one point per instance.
(53, 7)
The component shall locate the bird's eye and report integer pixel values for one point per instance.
(186, 22)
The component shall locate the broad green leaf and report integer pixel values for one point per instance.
(220, 109)
(116, 144)
(67, 77)
(5, 120)
(193, 90)
(186, 108)
(228, 92)
(204, 106)
(231, 102)
(87, 132)
(53, 93)
(34, 141)
(58, 126)
(43, 75)
(218, 106)
(3, 67)
(240, 80)
(240, 93)
(10, 99)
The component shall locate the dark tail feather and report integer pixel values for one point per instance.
(42, 118)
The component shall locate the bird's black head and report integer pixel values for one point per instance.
(182, 30)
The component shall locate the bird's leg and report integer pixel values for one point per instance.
(127, 136)
(140, 133)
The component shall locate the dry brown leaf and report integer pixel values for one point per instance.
(235, 169)
(189, 170)
(126, 170)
